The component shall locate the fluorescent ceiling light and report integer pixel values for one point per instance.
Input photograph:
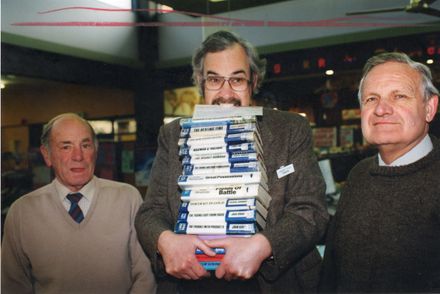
(126, 4)
(165, 7)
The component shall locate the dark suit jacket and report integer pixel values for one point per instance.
(297, 215)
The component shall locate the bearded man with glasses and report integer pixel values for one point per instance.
(282, 258)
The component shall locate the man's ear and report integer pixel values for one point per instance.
(431, 108)
(199, 81)
(254, 82)
(46, 156)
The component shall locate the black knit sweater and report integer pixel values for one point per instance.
(385, 236)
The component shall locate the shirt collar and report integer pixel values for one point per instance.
(419, 151)
(87, 191)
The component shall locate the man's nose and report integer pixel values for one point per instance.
(226, 90)
(383, 107)
(77, 153)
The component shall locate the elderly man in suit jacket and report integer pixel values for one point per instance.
(282, 257)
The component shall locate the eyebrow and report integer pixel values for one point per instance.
(210, 72)
(65, 142)
(391, 92)
(371, 93)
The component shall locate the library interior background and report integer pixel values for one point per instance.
(128, 80)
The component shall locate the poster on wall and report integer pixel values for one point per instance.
(348, 114)
(346, 135)
(324, 137)
(144, 158)
(106, 161)
(127, 162)
(181, 101)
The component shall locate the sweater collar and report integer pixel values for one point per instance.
(419, 151)
(394, 171)
(88, 191)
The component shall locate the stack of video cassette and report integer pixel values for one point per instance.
(224, 190)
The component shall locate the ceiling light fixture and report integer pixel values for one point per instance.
(125, 4)
(164, 8)
(329, 72)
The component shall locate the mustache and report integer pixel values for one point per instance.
(222, 100)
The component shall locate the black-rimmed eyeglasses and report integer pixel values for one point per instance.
(217, 82)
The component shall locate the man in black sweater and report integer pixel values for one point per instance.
(385, 236)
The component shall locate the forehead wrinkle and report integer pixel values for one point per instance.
(241, 71)
(406, 77)
(71, 142)
(370, 93)
(401, 88)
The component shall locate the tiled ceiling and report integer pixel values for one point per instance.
(221, 6)
(213, 6)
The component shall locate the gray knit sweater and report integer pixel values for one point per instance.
(385, 236)
(45, 251)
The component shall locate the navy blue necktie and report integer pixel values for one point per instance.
(75, 211)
